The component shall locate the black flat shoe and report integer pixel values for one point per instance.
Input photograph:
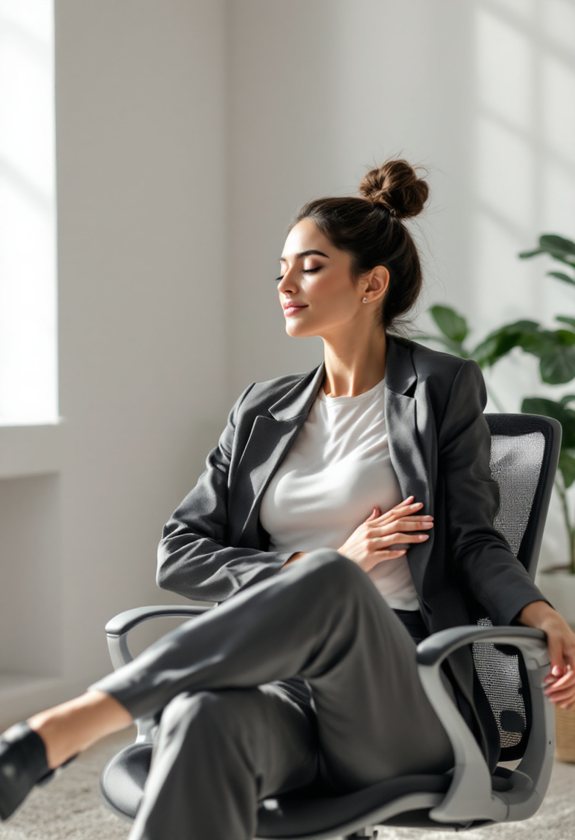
(23, 765)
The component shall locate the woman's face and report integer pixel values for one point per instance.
(320, 283)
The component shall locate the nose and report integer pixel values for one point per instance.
(287, 283)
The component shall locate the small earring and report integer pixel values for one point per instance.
(364, 300)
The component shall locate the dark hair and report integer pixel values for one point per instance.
(370, 229)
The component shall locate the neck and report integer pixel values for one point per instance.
(353, 367)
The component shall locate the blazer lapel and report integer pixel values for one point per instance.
(268, 444)
(411, 441)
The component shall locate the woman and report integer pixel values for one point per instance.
(309, 676)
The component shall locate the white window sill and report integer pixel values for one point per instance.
(30, 450)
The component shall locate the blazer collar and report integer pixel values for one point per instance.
(400, 375)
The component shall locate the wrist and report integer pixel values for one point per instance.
(534, 613)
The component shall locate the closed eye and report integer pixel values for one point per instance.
(305, 271)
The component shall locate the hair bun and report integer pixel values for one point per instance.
(396, 185)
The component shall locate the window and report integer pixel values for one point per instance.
(28, 337)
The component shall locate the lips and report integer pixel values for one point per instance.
(291, 308)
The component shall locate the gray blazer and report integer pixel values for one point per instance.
(439, 444)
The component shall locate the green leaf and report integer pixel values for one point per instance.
(537, 342)
(566, 399)
(560, 276)
(525, 255)
(564, 337)
(558, 247)
(552, 242)
(568, 261)
(556, 352)
(502, 340)
(451, 323)
(567, 467)
(550, 408)
(557, 365)
(565, 320)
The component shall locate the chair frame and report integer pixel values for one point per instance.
(471, 798)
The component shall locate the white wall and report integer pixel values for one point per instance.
(141, 185)
(481, 93)
(322, 91)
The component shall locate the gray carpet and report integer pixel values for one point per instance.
(70, 806)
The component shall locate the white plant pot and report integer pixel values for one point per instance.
(559, 588)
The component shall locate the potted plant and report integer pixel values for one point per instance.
(555, 350)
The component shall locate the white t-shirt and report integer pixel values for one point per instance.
(336, 471)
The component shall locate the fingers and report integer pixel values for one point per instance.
(408, 511)
(388, 529)
(560, 644)
(555, 649)
(403, 507)
(560, 682)
(415, 522)
(561, 689)
(390, 553)
(396, 532)
(387, 550)
(400, 537)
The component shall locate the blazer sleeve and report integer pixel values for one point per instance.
(194, 558)
(482, 556)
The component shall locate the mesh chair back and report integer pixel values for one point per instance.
(523, 462)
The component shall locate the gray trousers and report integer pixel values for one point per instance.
(307, 677)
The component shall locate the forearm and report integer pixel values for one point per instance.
(202, 569)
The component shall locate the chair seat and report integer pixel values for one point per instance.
(123, 779)
(300, 812)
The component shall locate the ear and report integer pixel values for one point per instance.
(377, 282)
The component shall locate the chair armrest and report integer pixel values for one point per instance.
(123, 622)
(470, 795)
(118, 627)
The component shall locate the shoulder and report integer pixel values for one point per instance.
(279, 385)
(446, 381)
(437, 367)
(258, 396)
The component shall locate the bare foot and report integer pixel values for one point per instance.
(76, 724)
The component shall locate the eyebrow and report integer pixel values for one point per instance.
(306, 253)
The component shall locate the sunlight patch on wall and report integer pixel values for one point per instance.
(28, 340)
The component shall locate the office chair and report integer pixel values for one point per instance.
(511, 663)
